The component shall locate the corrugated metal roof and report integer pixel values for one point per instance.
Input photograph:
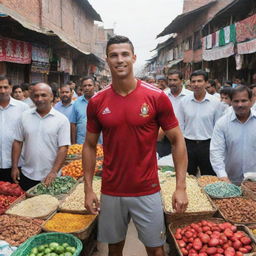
(182, 20)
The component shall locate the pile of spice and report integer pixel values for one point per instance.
(68, 222)
(222, 190)
(207, 179)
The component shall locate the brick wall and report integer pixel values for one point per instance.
(27, 8)
(189, 5)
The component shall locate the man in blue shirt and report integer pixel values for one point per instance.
(65, 106)
(78, 117)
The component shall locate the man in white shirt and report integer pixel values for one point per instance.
(233, 143)
(198, 115)
(211, 88)
(176, 93)
(10, 113)
(43, 134)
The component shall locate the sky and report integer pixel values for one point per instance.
(140, 20)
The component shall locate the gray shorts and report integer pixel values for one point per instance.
(145, 211)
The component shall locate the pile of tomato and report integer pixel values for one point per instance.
(208, 238)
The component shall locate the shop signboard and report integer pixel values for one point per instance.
(15, 51)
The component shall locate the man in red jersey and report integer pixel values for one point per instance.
(129, 112)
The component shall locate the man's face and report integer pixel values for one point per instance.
(253, 95)
(88, 88)
(120, 60)
(79, 91)
(5, 90)
(18, 94)
(161, 84)
(210, 89)
(198, 84)
(174, 83)
(65, 94)
(241, 104)
(225, 98)
(42, 98)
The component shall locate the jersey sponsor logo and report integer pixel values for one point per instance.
(106, 111)
(144, 110)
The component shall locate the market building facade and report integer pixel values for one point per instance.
(187, 47)
(51, 41)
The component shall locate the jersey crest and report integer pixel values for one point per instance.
(144, 110)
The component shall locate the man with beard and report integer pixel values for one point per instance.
(43, 134)
(78, 117)
(233, 142)
(10, 112)
(198, 114)
(66, 104)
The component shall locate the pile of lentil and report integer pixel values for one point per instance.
(250, 185)
(223, 190)
(68, 222)
(207, 179)
(198, 201)
(237, 209)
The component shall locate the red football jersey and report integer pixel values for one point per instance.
(130, 127)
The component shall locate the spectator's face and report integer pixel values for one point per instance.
(174, 83)
(5, 90)
(18, 94)
(42, 98)
(79, 91)
(253, 95)
(225, 98)
(210, 89)
(198, 84)
(88, 88)
(161, 84)
(65, 94)
(241, 104)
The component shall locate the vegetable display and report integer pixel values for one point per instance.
(198, 201)
(240, 210)
(75, 201)
(53, 249)
(207, 179)
(75, 149)
(208, 238)
(15, 230)
(68, 222)
(61, 185)
(223, 190)
(5, 202)
(10, 189)
(35, 207)
(75, 168)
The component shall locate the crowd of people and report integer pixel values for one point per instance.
(208, 128)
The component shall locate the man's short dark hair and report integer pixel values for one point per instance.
(253, 86)
(87, 78)
(119, 40)
(200, 72)
(70, 82)
(25, 86)
(241, 88)
(3, 77)
(226, 90)
(212, 83)
(16, 87)
(175, 72)
(228, 82)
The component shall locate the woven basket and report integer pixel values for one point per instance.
(81, 234)
(171, 216)
(248, 192)
(46, 238)
(182, 223)
(229, 220)
(60, 196)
